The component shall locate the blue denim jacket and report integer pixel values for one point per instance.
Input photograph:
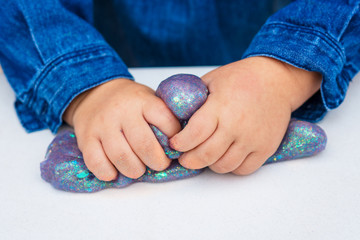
(52, 50)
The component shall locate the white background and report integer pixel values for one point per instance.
(313, 198)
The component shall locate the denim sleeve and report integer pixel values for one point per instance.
(315, 35)
(50, 53)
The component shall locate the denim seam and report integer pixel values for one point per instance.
(323, 35)
(62, 59)
(88, 86)
(355, 10)
(31, 33)
(95, 58)
(36, 44)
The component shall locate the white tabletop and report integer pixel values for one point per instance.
(313, 198)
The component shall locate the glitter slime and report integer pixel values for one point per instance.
(65, 169)
(64, 166)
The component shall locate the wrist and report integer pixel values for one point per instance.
(306, 84)
(72, 109)
(68, 115)
(296, 85)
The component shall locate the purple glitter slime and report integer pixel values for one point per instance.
(183, 94)
(302, 139)
(164, 142)
(65, 169)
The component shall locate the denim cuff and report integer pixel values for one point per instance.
(309, 49)
(61, 80)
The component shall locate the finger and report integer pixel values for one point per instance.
(231, 160)
(145, 145)
(208, 152)
(96, 160)
(252, 163)
(121, 155)
(159, 115)
(199, 128)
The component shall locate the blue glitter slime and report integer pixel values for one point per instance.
(64, 166)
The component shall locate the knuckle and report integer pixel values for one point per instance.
(197, 131)
(97, 166)
(144, 145)
(230, 130)
(119, 157)
(148, 151)
(227, 163)
(220, 168)
(125, 164)
(92, 163)
(151, 152)
(178, 144)
(244, 171)
(161, 107)
(194, 162)
(84, 141)
(207, 156)
(201, 161)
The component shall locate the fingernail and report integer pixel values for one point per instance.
(182, 160)
(172, 143)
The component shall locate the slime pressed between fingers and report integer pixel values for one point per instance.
(65, 169)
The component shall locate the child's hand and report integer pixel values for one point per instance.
(245, 116)
(111, 123)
